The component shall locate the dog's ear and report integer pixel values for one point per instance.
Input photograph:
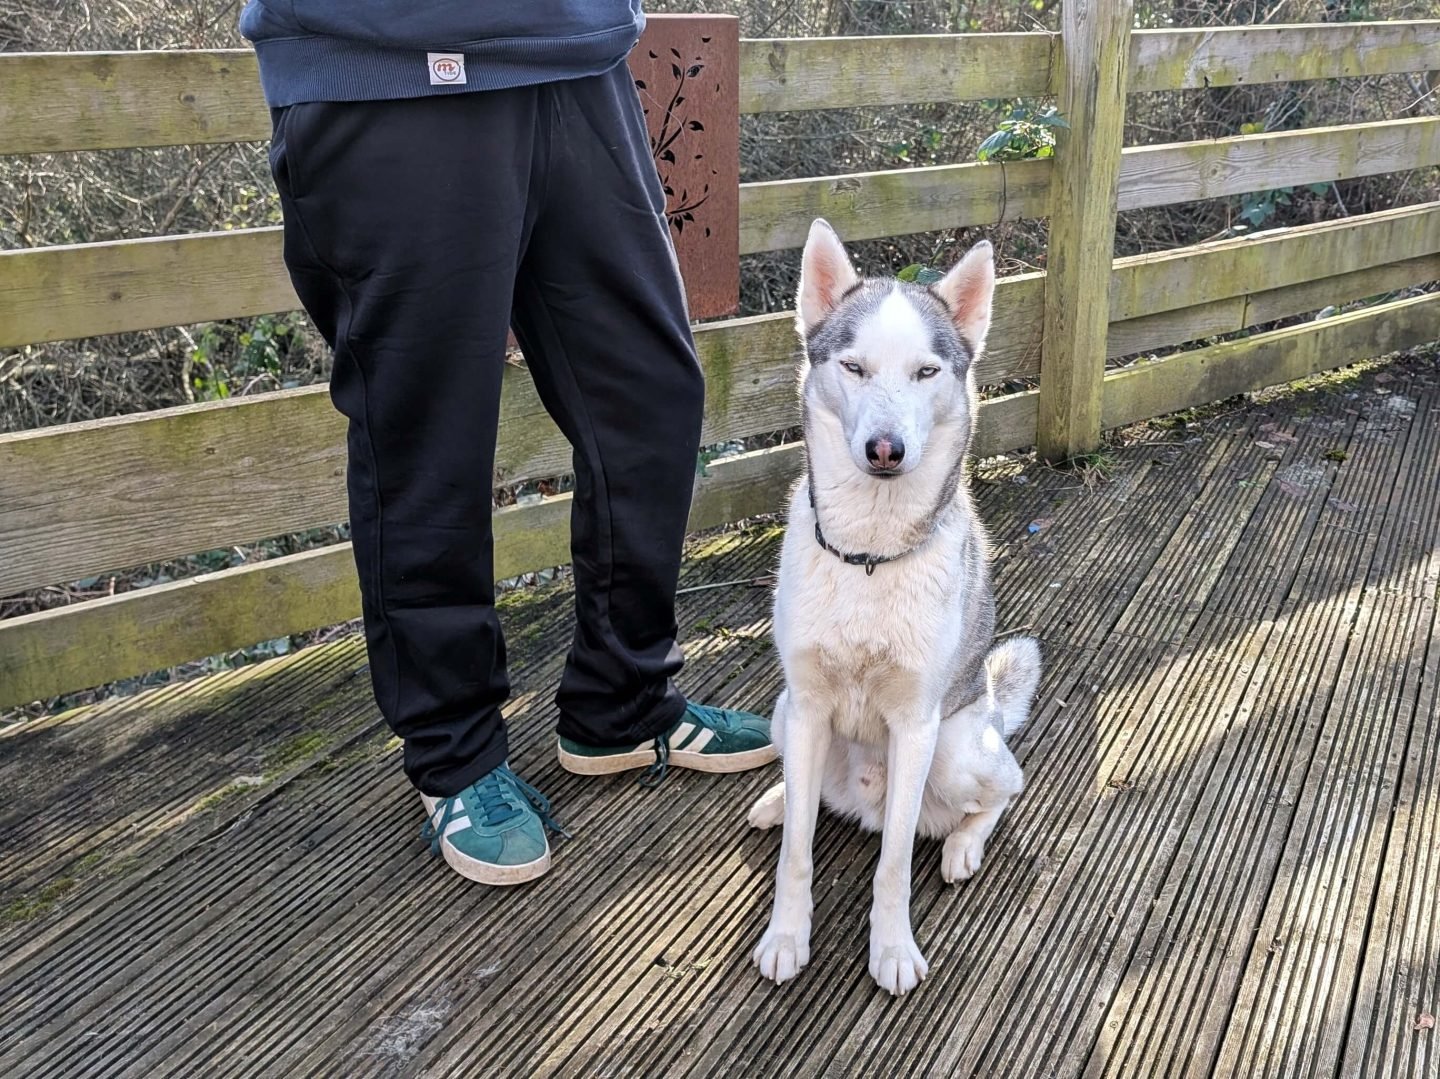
(967, 290)
(825, 275)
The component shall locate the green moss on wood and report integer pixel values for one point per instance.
(295, 750)
(28, 907)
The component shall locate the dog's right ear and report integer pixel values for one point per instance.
(825, 275)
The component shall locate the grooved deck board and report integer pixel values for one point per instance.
(1224, 861)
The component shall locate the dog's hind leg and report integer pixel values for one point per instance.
(965, 847)
(976, 777)
(785, 948)
(769, 808)
(895, 960)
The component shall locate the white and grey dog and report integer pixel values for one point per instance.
(895, 708)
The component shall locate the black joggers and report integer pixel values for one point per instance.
(416, 233)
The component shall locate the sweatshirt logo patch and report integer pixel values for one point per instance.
(446, 68)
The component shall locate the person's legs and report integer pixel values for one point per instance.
(600, 313)
(404, 224)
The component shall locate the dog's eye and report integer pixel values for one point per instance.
(853, 368)
(928, 371)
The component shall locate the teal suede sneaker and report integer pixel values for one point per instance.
(493, 831)
(704, 738)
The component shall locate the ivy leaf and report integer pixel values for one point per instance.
(640, 84)
(695, 70)
(675, 70)
(696, 125)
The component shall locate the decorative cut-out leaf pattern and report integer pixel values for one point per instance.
(673, 126)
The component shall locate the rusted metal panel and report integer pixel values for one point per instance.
(687, 70)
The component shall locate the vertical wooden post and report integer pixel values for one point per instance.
(1093, 75)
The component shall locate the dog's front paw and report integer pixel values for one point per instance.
(895, 961)
(961, 857)
(769, 808)
(783, 952)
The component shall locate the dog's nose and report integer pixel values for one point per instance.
(885, 452)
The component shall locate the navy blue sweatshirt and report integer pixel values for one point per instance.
(368, 50)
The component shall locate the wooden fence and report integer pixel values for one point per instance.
(90, 498)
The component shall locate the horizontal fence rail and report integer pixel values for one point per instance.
(58, 102)
(1268, 359)
(1189, 171)
(1294, 52)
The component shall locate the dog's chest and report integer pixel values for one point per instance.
(899, 616)
(875, 645)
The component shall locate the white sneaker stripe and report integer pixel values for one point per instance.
(701, 740)
(457, 824)
(680, 733)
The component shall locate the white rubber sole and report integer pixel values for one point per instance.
(499, 876)
(679, 758)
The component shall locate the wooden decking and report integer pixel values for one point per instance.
(1226, 861)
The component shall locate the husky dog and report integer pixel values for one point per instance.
(895, 709)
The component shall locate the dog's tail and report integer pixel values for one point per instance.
(1013, 671)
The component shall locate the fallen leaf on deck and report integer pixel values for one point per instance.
(1425, 1021)
(1335, 455)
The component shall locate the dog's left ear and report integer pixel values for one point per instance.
(967, 289)
(825, 275)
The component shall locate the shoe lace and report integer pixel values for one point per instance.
(715, 718)
(655, 774)
(491, 799)
(706, 716)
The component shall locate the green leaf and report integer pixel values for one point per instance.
(910, 273)
(1319, 189)
(994, 144)
(1053, 119)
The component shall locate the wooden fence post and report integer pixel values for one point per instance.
(1092, 77)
